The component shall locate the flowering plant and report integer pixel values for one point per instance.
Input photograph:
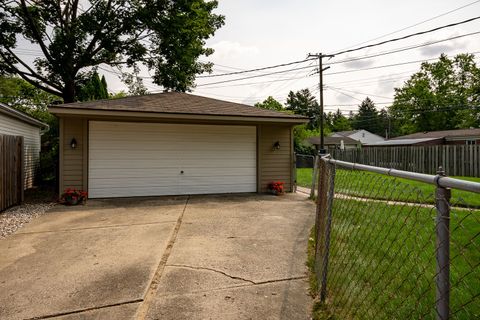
(276, 187)
(73, 196)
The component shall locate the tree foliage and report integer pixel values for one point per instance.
(304, 103)
(368, 118)
(270, 104)
(443, 95)
(337, 121)
(93, 89)
(166, 36)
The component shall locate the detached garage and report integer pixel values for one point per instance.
(171, 144)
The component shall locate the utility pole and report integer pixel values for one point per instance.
(320, 56)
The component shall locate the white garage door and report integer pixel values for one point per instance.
(150, 159)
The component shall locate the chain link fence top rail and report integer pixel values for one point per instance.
(384, 252)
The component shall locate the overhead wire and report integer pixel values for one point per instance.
(414, 25)
(402, 49)
(406, 36)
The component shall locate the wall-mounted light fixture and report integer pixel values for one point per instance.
(276, 146)
(73, 143)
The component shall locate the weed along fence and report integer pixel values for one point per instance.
(11, 171)
(393, 244)
(457, 160)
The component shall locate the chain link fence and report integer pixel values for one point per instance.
(392, 244)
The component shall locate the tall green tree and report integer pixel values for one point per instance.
(271, 104)
(368, 118)
(165, 36)
(93, 89)
(304, 103)
(337, 121)
(442, 95)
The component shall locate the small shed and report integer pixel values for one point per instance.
(16, 123)
(173, 143)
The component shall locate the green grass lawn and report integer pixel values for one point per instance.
(382, 262)
(377, 186)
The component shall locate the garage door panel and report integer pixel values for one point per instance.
(141, 159)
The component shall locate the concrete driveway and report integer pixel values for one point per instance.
(198, 257)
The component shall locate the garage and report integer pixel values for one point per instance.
(153, 159)
(173, 143)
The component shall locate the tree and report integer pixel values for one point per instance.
(337, 121)
(93, 89)
(271, 104)
(304, 103)
(442, 95)
(368, 118)
(73, 36)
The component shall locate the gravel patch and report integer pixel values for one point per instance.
(14, 218)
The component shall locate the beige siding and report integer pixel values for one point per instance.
(272, 165)
(72, 173)
(31, 135)
(275, 165)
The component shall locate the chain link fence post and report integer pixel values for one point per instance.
(442, 205)
(314, 176)
(330, 196)
(320, 218)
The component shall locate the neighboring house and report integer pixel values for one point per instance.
(342, 143)
(459, 136)
(16, 123)
(364, 136)
(444, 137)
(173, 143)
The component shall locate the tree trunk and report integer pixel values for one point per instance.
(69, 91)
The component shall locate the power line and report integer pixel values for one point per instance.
(403, 49)
(257, 69)
(386, 65)
(414, 25)
(255, 76)
(365, 94)
(407, 36)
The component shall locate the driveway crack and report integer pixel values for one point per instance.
(236, 277)
(213, 270)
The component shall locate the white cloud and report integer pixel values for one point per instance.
(229, 50)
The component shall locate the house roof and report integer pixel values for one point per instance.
(334, 140)
(9, 111)
(346, 133)
(442, 134)
(177, 103)
(401, 142)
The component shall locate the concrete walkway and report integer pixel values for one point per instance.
(200, 257)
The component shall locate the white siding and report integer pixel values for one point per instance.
(31, 136)
(146, 159)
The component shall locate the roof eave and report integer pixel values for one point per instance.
(61, 111)
(22, 117)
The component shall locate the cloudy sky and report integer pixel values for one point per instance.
(269, 32)
(265, 33)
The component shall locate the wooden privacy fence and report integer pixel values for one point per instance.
(457, 160)
(11, 171)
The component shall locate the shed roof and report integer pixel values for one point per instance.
(177, 103)
(9, 111)
(442, 134)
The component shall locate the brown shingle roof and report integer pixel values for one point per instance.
(442, 134)
(178, 103)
